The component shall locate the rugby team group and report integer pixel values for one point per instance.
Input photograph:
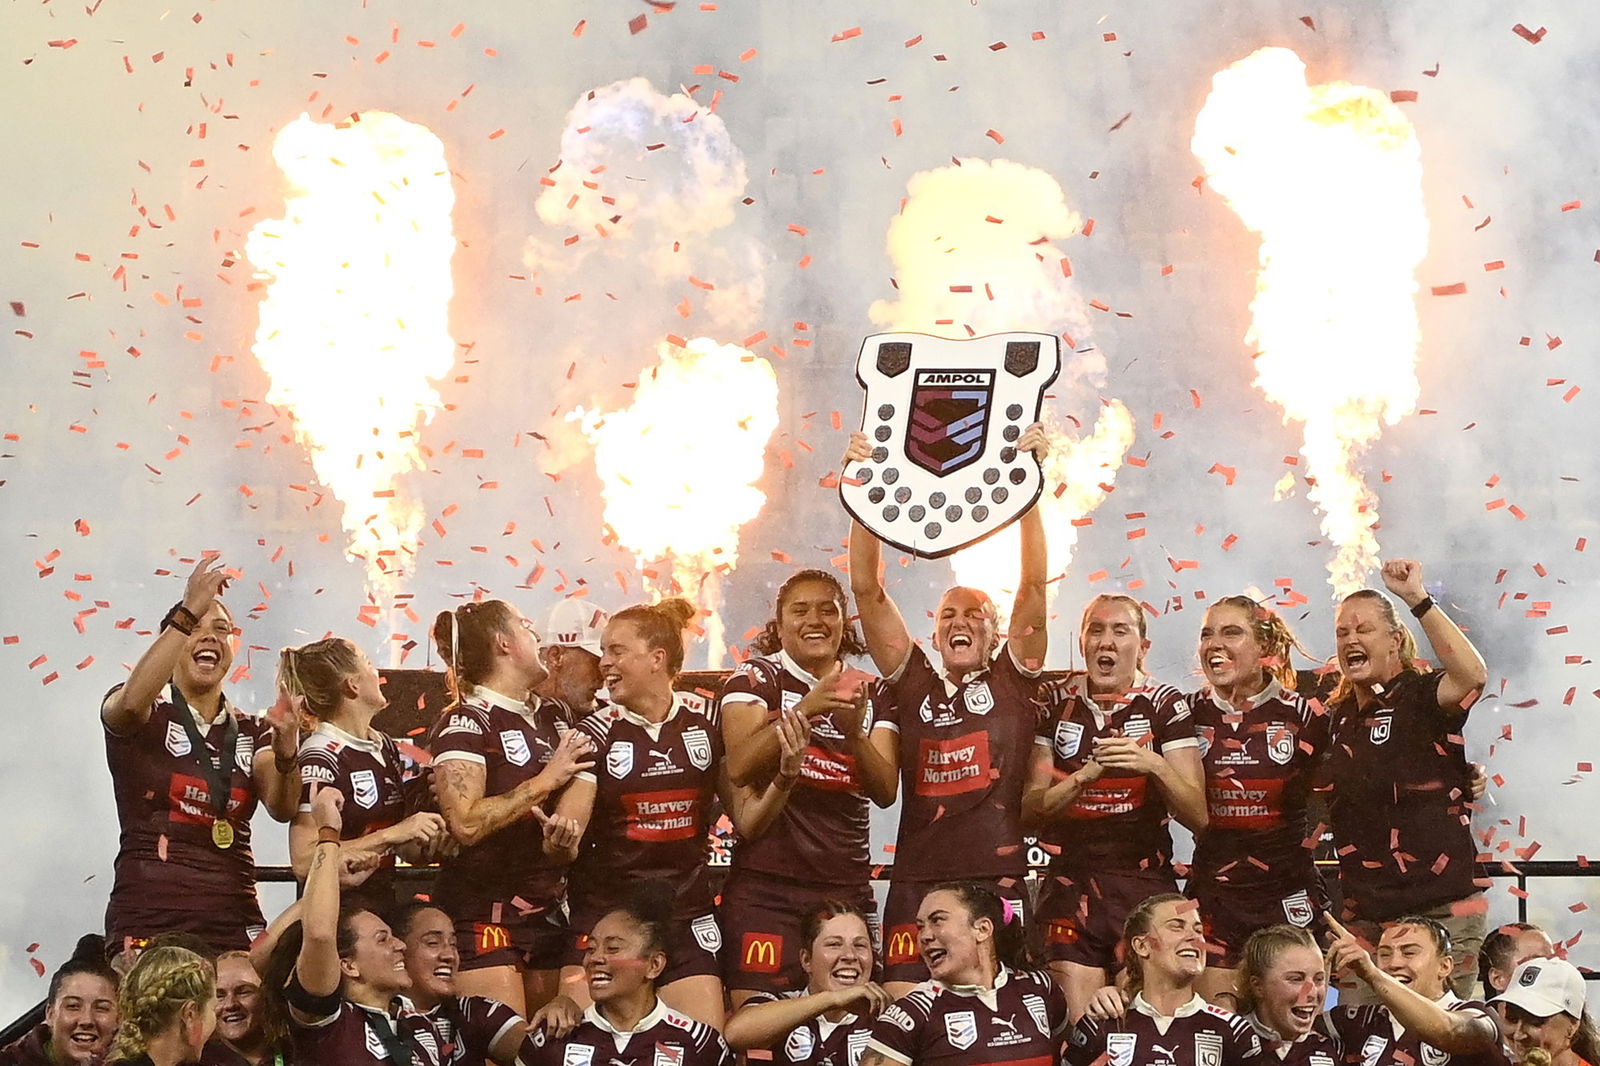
(567, 792)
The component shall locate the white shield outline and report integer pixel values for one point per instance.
(1432, 1056)
(1281, 745)
(961, 1029)
(1120, 1047)
(698, 745)
(1208, 1049)
(619, 758)
(1069, 737)
(707, 933)
(364, 788)
(515, 747)
(178, 740)
(1038, 1011)
(799, 1045)
(1380, 730)
(1297, 909)
(978, 698)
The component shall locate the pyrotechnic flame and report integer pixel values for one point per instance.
(973, 254)
(354, 323)
(679, 465)
(1331, 177)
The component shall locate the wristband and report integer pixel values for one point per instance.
(1422, 607)
(327, 835)
(185, 624)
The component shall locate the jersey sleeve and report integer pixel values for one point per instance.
(1243, 1043)
(1174, 722)
(1023, 670)
(309, 1011)
(896, 1035)
(462, 736)
(483, 1021)
(883, 707)
(318, 767)
(755, 681)
(597, 727)
(539, 1048)
(1087, 1043)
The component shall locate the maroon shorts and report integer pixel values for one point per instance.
(221, 927)
(1231, 913)
(695, 942)
(761, 918)
(1082, 920)
(902, 958)
(500, 934)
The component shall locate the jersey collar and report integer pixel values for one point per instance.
(656, 1015)
(988, 996)
(1078, 685)
(1195, 1005)
(371, 747)
(795, 669)
(1273, 691)
(653, 728)
(500, 699)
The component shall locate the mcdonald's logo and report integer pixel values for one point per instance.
(902, 944)
(1061, 931)
(761, 953)
(490, 937)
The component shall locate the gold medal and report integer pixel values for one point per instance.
(222, 833)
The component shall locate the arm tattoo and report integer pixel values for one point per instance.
(455, 778)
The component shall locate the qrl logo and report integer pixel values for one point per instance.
(761, 953)
(902, 945)
(490, 937)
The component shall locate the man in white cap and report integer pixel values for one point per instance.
(1543, 1009)
(571, 651)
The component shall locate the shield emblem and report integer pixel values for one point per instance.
(364, 785)
(1380, 730)
(177, 740)
(945, 416)
(1280, 745)
(1119, 1048)
(1069, 737)
(515, 746)
(1037, 1011)
(706, 933)
(619, 758)
(1206, 734)
(1432, 1056)
(1372, 1051)
(698, 745)
(1208, 1049)
(575, 1054)
(855, 1044)
(668, 1055)
(1136, 728)
(1297, 909)
(244, 752)
(961, 1029)
(978, 698)
(799, 1045)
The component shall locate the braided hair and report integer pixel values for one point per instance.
(155, 991)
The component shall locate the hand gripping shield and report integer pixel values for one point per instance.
(943, 417)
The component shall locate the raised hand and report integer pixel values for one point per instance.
(573, 755)
(206, 582)
(1125, 753)
(1347, 954)
(824, 696)
(859, 450)
(794, 731)
(1035, 440)
(1403, 577)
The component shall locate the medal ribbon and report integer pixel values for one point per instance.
(399, 1052)
(217, 772)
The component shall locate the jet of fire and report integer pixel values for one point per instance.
(354, 322)
(974, 253)
(679, 466)
(1330, 176)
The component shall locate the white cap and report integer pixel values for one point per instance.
(1543, 987)
(575, 624)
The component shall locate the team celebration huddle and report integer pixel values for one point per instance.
(567, 792)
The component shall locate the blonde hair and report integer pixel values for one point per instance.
(1408, 643)
(1139, 922)
(315, 672)
(1270, 631)
(1260, 951)
(154, 991)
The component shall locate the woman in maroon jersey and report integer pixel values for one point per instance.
(169, 1009)
(1401, 801)
(827, 1022)
(333, 681)
(1167, 1022)
(628, 1021)
(961, 734)
(644, 810)
(501, 758)
(1282, 983)
(1119, 754)
(1261, 745)
(188, 769)
(816, 848)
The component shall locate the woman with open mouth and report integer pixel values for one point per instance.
(983, 1005)
(502, 756)
(333, 681)
(1543, 1007)
(188, 769)
(247, 1034)
(830, 1019)
(1119, 753)
(80, 1014)
(1261, 745)
(1282, 984)
(965, 728)
(642, 813)
(815, 848)
(1167, 1022)
(624, 957)
(1401, 780)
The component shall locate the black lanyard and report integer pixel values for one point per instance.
(399, 1052)
(217, 772)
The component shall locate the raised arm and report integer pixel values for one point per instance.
(317, 966)
(765, 1025)
(471, 816)
(1028, 640)
(1465, 672)
(129, 707)
(275, 770)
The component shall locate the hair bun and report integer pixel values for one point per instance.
(678, 609)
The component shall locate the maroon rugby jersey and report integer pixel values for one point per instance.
(165, 852)
(1370, 1036)
(468, 1026)
(654, 784)
(1021, 1022)
(1119, 822)
(332, 1031)
(513, 742)
(1313, 1049)
(965, 753)
(1402, 783)
(820, 836)
(662, 1038)
(368, 773)
(817, 1041)
(1198, 1035)
(1259, 765)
